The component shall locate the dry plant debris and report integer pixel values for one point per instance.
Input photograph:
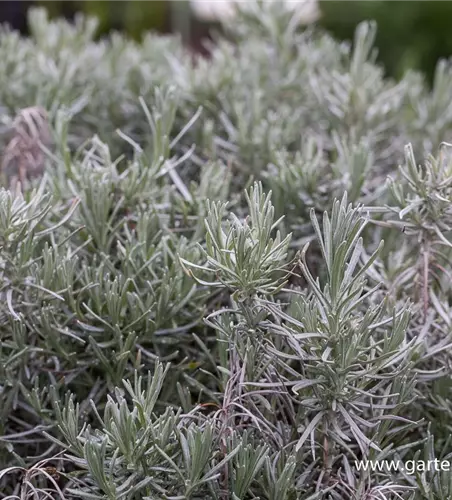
(23, 157)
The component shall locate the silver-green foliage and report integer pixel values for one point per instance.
(166, 333)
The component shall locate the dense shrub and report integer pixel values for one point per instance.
(165, 330)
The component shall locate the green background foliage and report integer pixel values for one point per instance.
(132, 17)
(411, 35)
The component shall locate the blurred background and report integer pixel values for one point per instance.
(411, 35)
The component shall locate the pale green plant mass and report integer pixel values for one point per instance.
(233, 280)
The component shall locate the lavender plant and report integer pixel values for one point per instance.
(197, 302)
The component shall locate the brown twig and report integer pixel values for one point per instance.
(425, 264)
(23, 157)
